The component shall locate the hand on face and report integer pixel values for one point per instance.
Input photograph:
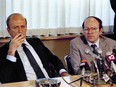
(15, 43)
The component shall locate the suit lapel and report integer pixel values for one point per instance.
(84, 40)
(85, 43)
(38, 48)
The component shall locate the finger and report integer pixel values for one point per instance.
(19, 37)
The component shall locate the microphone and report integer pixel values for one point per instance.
(103, 59)
(87, 51)
(99, 51)
(102, 65)
(84, 64)
(95, 63)
(82, 75)
(114, 51)
(108, 72)
(107, 76)
(96, 57)
(111, 58)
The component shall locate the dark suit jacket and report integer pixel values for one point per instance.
(113, 5)
(14, 71)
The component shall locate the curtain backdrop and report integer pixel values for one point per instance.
(52, 17)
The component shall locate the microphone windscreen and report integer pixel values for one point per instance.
(84, 64)
(111, 58)
(87, 51)
(84, 61)
(114, 50)
(99, 51)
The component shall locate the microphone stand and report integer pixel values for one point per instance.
(113, 66)
(92, 82)
(101, 66)
(98, 73)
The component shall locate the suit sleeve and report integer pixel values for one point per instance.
(6, 66)
(75, 57)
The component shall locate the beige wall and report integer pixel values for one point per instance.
(58, 47)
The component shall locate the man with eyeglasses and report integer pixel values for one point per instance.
(92, 35)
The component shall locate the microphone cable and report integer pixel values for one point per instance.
(69, 83)
(81, 78)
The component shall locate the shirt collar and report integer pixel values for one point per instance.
(25, 42)
(97, 43)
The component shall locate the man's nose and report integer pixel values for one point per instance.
(90, 30)
(19, 29)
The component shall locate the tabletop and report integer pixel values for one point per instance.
(64, 83)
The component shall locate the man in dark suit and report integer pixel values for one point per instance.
(113, 5)
(14, 63)
(92, 30)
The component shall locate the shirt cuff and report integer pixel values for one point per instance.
(11, 58)
(61, 71)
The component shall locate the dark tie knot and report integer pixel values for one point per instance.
(23, 44)
(93, 46)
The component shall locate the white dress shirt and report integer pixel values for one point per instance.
(27, 66)
(97, 43)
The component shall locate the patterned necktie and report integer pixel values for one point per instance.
(94, 48)
(33, 62)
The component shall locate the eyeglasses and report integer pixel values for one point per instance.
(93, 29)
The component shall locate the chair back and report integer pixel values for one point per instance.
(68, 65)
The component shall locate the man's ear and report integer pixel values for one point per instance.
(101, 31)
(8, 30)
